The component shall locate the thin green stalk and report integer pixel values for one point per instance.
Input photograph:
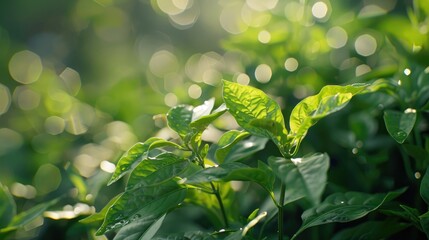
(280, 207)
(222, 208)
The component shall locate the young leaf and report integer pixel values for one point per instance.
(226, 142)
(310, 110)
(155, 171)
(242, 232)
(202, 110)
(424, 187)
(7, 206)
(304, 177)
(202, 122)
(136, 154)
(344, 207)
(400, 124)
(142, 203)
(255, 112)
(371, 230)
(179, 118)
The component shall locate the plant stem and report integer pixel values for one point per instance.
(222, 208)
(280, 207)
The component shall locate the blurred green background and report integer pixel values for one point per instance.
(81, 81)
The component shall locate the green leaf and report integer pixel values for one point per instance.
(156, 170)
(310, 110)
(238, 235)
(136, 154)
(136, 229)
(235, 172)
(400, 124)
(179, 118)
(344, 207)
(424, 187)
(202, 122)
(26, 217)
(255, 112)
(226, 142)
(424, 222)
(245, 148)
(7, 206)
(99, 216)
(203, 109)
(191, 235)
(142, 203)
(371, 230)
(304, 177)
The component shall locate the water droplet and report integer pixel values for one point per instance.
(355, 151)
(407, 71)
(342, 202)
(401, 134)
(410, 110)
(399, 82)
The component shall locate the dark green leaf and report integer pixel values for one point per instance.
(371, 230)
(304, 177)
(238, 235)
(189, 235)
(245, 148)
(424, 222)
(310, 110)
(142, 203)
(156, 170)
(344, 207)
(400, 124)
(226, 142)
(255, 112)
(7, 206)
(424, 187)
(136, 154)
(179, 118)
(235, 172)
(135, 229)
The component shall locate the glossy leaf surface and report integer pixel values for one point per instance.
(344, 207)
(255, 112)
(371, 230)
(400, 124)
(226, 142)
(304, 177)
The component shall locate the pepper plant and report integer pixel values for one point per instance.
(165, 175)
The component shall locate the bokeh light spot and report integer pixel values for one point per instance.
(26, 98)
(9, 140)
(107, 166)
(291, 64)
(365, 45)
(294, 11)
(263, 73)
(194, 91)
(23, 191)
(319, 10)
(25, 67)
(362, 69)
(231, 21)
(264, 36)
(259, 5)
(54, 125)
(336, 37)
(71, 80)
(5, 99)
(47, 179)
(162, 63)
(243, 78)
(170, 99)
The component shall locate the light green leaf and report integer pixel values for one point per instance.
(142, 203)
(179, 118)
(424, 187)
(238, 235)
(202, 110)
(99, 216)
(400, 124)
(136, 154)
(344, 207)
(371, 230)
(7, 206)
(226, 142)
(156, 170)
(304, 177)
(310, 110)
(255, 112)
(201, 123)
(235, 172)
